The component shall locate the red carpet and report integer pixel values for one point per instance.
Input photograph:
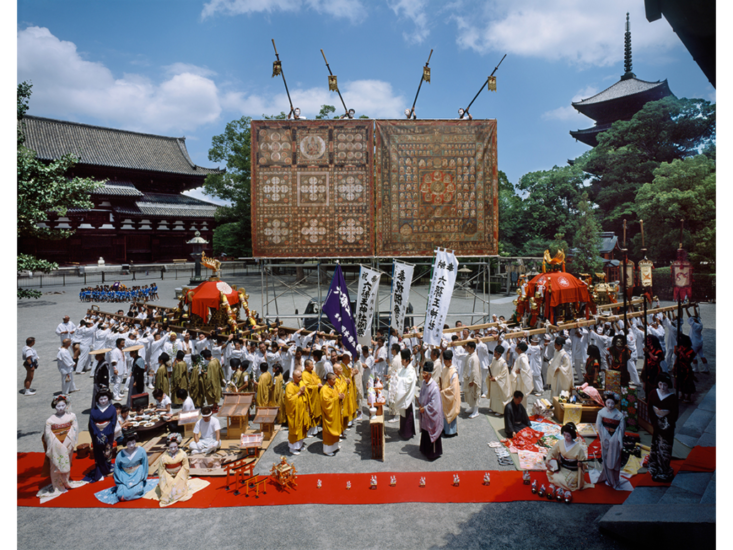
(504, 487)
(700, 459)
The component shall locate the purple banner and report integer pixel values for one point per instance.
(338, 309)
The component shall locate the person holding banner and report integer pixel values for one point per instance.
(405, 385)
(450, 395)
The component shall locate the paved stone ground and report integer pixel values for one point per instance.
(521, 524)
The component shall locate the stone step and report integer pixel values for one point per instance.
(708, 497)
(694, 482)
(675, 525)
(645, 495)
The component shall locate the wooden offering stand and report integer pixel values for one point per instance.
(265, 417)
(236, 410)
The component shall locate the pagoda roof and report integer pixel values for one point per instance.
(622, 100)
(99, 146)
(589, 136)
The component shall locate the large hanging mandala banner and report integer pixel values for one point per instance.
(437, 186)
(312, 191)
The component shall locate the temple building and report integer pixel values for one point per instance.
(619, 102)
(140, 214)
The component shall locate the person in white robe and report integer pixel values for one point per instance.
(522, 373)
(394, 366)
(579, 345)
(85, 333)
(404, 383)
(65, 329)
(560, 370)
(118, 364)
(484, 360)
(472, 380)
(499, 383)
(66, 367)
(534, 356)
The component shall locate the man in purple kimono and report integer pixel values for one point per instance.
(431, 415)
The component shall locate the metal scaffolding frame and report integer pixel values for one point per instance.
(477, 285)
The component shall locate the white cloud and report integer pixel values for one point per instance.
(576, 31)
(347, 9)
(178, 68)
(568, 112)
(373, 98)
(65, 85)
(415, 11)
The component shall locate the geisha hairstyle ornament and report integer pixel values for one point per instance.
(62, 397)
(174, 437)
(610, 395)
(104, 392)
(571, 429)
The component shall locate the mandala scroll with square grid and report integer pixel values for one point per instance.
(312, 190)
(437, 185)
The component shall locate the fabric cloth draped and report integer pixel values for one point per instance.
(130, 474)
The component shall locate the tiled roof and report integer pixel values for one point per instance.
(99, 146)
(118, 189)
(608, 243)
(160, 204)
(622, 88)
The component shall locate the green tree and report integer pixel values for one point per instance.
(510, 205)
(586, 240)
(232, 148)
(628, 153)
(44, 188)
(325, 112)
(549, 206)
(681, 189)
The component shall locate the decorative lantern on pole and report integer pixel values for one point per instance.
(198, 243)
(682, 279)
(645, 276)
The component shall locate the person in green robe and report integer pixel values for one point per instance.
(180, 377)
(213, 379)
(196, 382)
(161, 375)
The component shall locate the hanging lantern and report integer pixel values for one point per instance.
(426, 74)
(277, 68)
(645, 273)
(333, 83)
(492, 83)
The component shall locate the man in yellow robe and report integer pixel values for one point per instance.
(278, 393)
(179, 378)
(265, 388)
(161, 376)
(213, 378)
(343, 384)
(313, 385)
(296, 408)
(331, 399)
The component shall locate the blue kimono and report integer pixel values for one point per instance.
(102, 439)
(130, 474)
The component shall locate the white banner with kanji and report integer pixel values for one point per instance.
(366, 299)
(401, 282)
(445, 270)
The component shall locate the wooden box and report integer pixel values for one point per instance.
(588, 414)
(265, 417)
(376, 425)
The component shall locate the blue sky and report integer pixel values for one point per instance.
(186, 68)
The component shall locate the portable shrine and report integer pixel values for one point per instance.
(236, 410)
(265, 417)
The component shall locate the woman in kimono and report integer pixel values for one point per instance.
(102, 423)
(610, 425)
(173, 474)
(685, 376)
(663, 414)
(101, 372)
(59, 439)
(653, 358)
(569, 454)
(131, 469)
